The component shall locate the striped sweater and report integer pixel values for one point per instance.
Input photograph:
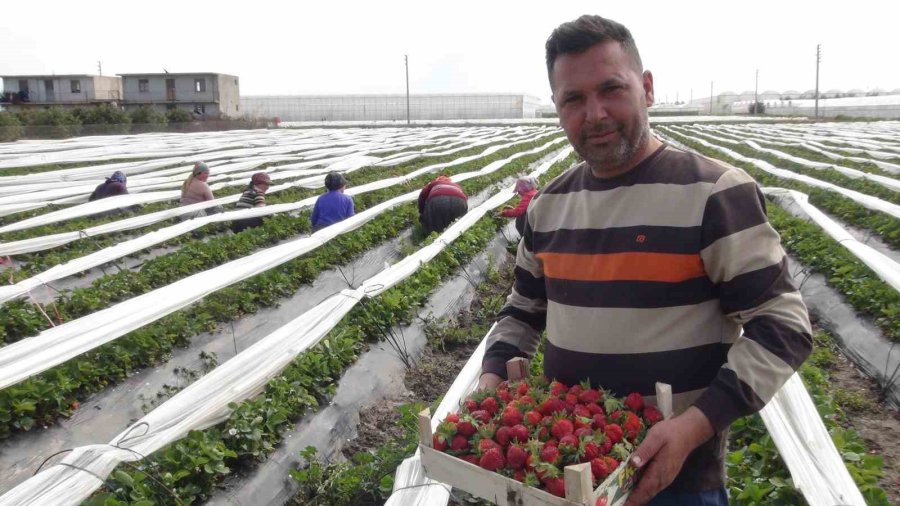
(651, 276)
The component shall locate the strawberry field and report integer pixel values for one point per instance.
(150, 360)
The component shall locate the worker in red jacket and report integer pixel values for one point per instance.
(441, 202)
(527, 188)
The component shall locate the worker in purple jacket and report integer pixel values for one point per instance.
(333, 206)
(114, 185)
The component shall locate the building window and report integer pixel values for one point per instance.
(76, 85)
(143, 85)
(200, 85)
(23, 86)
(199, 108)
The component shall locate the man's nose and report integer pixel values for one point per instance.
(596, 110)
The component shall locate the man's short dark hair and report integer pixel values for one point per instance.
(585, 32)
(335, 181)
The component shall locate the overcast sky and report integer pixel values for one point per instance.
(462, 46)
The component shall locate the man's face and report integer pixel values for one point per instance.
(602, 102)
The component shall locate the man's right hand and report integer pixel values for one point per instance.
(489, 380)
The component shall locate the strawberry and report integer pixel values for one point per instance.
(459, 443)
(583, 432)
(611, 463)
(511, 416)
(519, 475)
(595, 409)
(526, 400)
(576, 390)
(504, 395)
(602, 501)
(516, 457)
(581, 411)
(571, 400)
(482, 416)
(561, 428)
(614, 433)
(522, 388)
(486, 445)
(550, 454)
(533, 418)
(556, 486)
(452, 418)
(543, 433)
(492, 460)
(503, 435)
(589, 397)
(471, 405)
(606, 447)
(487, 431)
(634, 402)
(581, 422)
(439, 443)
(591, 451)
(600, 469)
(466, 427)
(490, 405)
(617, 416)
(652, 415)
(519, 433)
(632, 425)
(551, 405)
(568, 446)
(471, 459)
(599, 421)
(557, 388)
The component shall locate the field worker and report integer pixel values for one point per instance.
(333, 206)
(114, 185)
(253, 196)
(644, 263)
(196, 190)
(440, 202)
(527, 188)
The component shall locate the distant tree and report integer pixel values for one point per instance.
(10, 127)
(757, 108)
(147, 119)
(56, 122)
(178, 116)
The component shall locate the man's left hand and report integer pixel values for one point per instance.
(664, 450)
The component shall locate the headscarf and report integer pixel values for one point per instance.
(117, 177)
(199, 168)
(525, 184)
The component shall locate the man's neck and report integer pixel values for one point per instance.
(649, 148)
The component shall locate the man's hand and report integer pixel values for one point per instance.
(489, 380)
(663, 451)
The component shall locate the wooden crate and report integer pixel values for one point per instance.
(504, 491)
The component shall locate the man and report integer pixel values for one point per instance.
(643, 263)
(440, 203)
(253, 196)
(333, 206)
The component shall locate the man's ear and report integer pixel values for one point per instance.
(647, 81)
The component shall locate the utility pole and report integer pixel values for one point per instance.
(756, 95)
(99, 67)
(692, 96)
(710, 98)
(818, 60)
(406, 60)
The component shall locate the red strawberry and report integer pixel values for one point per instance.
(635, 402)
(519, 433)
(581, 422)
(599, 468)
(614, 433)
(599, 422)
(551, 405)
(503, 435)
(504, 395)
(589, 397)
(583, 432)
(581, 411)
(511, 416)
(492, 460)
(452, 417)
(471, 405)
(595, 409)
(533, 418)
(652, 415)
(550, 454)
(482, 416)
(439, 443)
(556, 486)
(606, 447)
(471, 459)
(522, 388)
(459, 443)
(526, 400)
(557, 388)
(486, 445)
(571, 400)
(568, 444)
(561, 428)
(551, 442)
(543, 433)
(519, 475)
(632, 425)
(576, 390)
(611, 463)
(516, 457)
(602, 501)
(465, 427)
(490, 405)
(617, 416)
(591, 451)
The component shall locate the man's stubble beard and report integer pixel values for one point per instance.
(611, 158)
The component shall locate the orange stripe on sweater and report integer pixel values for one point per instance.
(665, 267)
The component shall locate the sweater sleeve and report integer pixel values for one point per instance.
(350, 210)
(520, 209)
(524, 317)
(743, 256)
(314, 219)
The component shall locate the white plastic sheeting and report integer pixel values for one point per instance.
(816, 467)
(25, 358)
(205, 402)
(883, 266)
(864, 200)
